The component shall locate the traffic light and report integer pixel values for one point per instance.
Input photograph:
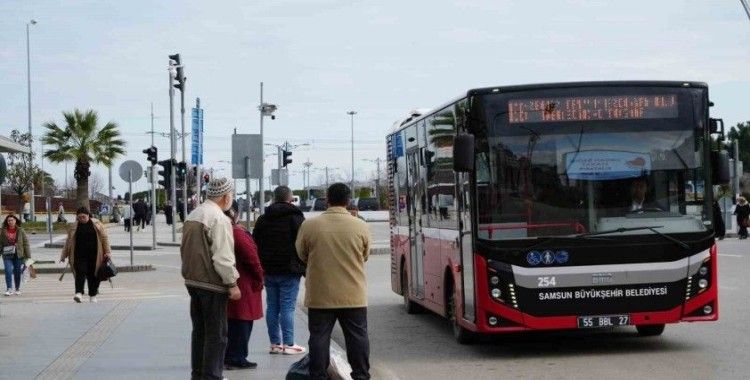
(180, 78)
(181, 172)
(166, 173)
(286, 157)
(151, 153)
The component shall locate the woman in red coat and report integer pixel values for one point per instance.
(243, 312)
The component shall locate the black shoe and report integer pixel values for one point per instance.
(242, 365)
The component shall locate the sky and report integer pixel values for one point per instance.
(319, 59)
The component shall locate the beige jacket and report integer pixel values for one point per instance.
(335, 246)
(207, 249)
(102, 248)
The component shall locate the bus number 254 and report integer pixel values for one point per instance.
(545, 282)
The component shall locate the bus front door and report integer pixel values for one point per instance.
(416, 196)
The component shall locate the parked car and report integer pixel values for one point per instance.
(368, 204)
(320, 204)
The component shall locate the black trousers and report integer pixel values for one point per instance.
(353, 322)
(208, 311)
(85, 271)
(239, 336)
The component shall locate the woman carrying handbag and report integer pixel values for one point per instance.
(15, 251)
(87, 248)
(742, 211)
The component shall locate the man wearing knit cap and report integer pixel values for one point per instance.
(208, 267)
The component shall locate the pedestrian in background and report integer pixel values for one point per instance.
(127, 217)
(141, 214)
(26, 211)
(720, 229)
(335, 246)
(208, 267)
(249, 307)
(86, 249)
(168, 212)
(61, 213)
(275, 233)
(742, 212)
(16, 250)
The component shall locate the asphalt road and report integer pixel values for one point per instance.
(422, 346)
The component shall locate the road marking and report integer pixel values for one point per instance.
(729, 255)
(67, 364)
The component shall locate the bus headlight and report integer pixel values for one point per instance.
(494, 280)
(703, 283)
(708, 309)
(496, 293)
(492, 320)
(703, 271)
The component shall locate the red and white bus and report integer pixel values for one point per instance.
(558, 206)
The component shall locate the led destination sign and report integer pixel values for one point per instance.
(592, 108)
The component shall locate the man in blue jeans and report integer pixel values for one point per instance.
(275, 233)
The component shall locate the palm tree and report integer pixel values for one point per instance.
(84, 143)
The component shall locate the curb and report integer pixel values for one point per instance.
(112, 247)
(120, 269)
(167, 244)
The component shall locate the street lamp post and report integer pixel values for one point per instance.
(31, 136)
(265, 110)
(352, 113)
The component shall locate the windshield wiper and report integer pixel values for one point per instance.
(627, 229)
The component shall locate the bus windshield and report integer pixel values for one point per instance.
(580, 161)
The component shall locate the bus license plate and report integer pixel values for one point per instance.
(595, 321)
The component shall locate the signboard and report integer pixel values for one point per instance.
(244, 146)
(196, 147)
(602, 165)
(592, 108)
(279, 177)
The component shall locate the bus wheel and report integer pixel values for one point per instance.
(410, 306)
(650, 330)
(462, 335)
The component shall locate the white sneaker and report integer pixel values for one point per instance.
(8, 293)
(93, 299)
(78, 297)
(18, 292)
(294, 350)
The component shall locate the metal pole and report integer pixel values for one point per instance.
(377, 184)
(153, 205)
(130, 194)
(184, 156)
(31, 135)
(172, 148)
(261, 189)
(326, 177)
(247, 186)
(109, 170)
(152, 123)
(352, 113)
(199, 163)
(49, 218)
(746, 7)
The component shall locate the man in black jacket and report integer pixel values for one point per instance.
(275, 233)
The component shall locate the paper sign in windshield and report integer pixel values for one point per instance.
(603, 165)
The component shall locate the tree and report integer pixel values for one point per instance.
(22, 172)
(741, 134)
(83, 142)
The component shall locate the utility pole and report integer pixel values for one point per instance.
(173, 61)
(747, 8)
(31, 135)
(307, 164)
(352, 113)
(261, 188)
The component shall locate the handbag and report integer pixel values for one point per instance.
(107, 270)
(299, 370)
(9, 251)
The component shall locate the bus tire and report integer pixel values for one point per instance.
(462, 335)
(410, 306)
(650, 330)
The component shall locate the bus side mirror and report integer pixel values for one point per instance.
(463, 153)
(720, 167)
